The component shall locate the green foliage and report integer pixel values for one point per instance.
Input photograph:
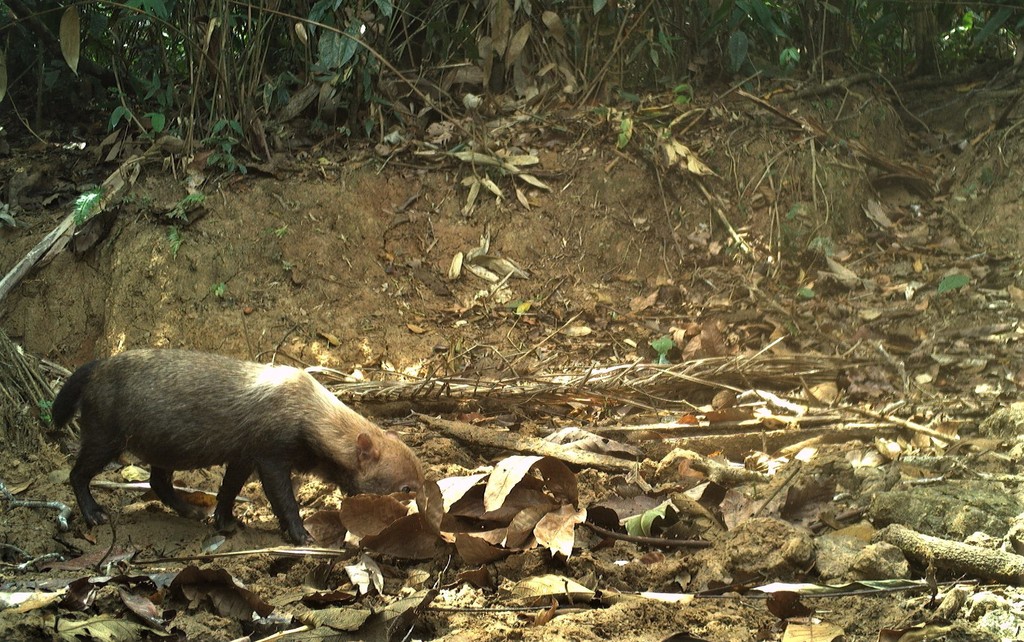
(219, 289)
(683, 94)
(625, 132)
(174, 239)
(219, 71)
(226, 134)
(86, 204)
(45, 410)
(738, 47)
(644, 524)
(184, 206)
(952, 282)
(663, 346)
(789, 58)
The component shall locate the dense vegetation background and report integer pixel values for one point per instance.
(229, 73)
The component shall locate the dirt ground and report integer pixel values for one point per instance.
(886, 241)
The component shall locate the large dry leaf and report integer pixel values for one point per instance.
(365, 573)
(579, 439)
(143, 607)
(70, 37)
(101, 627)
(536, 182)
(518, 43)
(505, 476)
(547, 586)
(3, 76)
(520, 529)
(522, 160)
(529, 492)
(228, 598)
(559, 481)
(337, 618)
(430, 504)
(501, 24)
(365, 515)
(474, 550)
(847, 277)
(326, 528)
(554, 25)
(680, 155)
(557, 530)
(453, 488)
(410, 537)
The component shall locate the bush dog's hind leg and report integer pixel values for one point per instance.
(277, 486)
(235, 476)
(161, 480)
(91, 459)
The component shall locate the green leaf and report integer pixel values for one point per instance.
(642, 524)
(120, 112)
(738, 47)
(953, 282)
(86, 204)
(992, 25)
(174, 238)
(625, 132)
(805, 293)
(662, 346)
(386, 7)
(157, 121)
(598, 5)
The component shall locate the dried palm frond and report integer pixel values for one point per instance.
(25, 398)
(642, 384)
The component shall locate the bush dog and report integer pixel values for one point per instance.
(179, 410)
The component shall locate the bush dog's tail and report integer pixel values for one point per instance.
(66, 403)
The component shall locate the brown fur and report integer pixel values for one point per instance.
(179, 410)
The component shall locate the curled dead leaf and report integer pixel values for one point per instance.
(455, 269)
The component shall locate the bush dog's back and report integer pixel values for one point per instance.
(178, 410)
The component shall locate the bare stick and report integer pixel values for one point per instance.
(956, 557)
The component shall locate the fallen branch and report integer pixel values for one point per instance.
(492, 438)
(956, 557)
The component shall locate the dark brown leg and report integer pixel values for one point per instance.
(91, 460)
(161, 480)
(235, 476)
(277, 484)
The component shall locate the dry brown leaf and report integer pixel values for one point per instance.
(847, 277)
(640, 303)
(521, 197)
(546, 586)
(547, 614)
(70, 37)
(474, 550)
(517, 44)
(520, 529)
(409, 537)
(366, 515)
(554, 25)
(454, 488)
(557, 530)
(3, 75)
(505, 476)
